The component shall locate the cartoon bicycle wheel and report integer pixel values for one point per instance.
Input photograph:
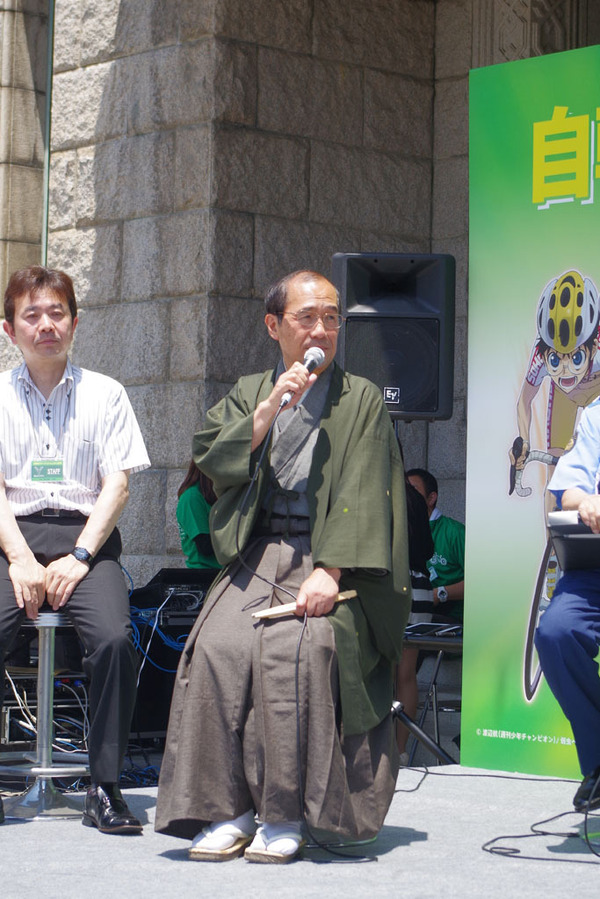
(548, 574)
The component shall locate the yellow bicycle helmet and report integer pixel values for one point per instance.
(568, 312)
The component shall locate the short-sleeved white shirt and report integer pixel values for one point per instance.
(580, 466)
(87, 422)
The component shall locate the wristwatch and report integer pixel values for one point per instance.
(442, 594)
(82, 555)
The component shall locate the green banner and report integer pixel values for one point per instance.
(534, 227)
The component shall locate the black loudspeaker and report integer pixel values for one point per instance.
(399, 328)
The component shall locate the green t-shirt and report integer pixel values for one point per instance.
(447, 565)
(192, 518)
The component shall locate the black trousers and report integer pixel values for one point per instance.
(99, 611)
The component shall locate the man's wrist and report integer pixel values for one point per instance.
(335, 573)
(19, 555)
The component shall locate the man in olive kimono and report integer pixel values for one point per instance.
(283, 726)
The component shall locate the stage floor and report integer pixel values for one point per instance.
(430, 846)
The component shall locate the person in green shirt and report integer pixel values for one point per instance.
(447, 565)
(194, 500)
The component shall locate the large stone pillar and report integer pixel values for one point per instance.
(201, 150)
(23, 43)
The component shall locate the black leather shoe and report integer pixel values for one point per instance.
(106, 809)
(581, 800)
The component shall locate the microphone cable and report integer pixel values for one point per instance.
(592, 846)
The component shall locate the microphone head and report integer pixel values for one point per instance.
(313, 358)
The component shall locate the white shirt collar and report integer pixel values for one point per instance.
(24, 377)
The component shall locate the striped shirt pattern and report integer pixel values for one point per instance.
(87, 422)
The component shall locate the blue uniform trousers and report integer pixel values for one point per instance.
(567, 641)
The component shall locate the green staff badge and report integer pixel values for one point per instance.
(47, 470)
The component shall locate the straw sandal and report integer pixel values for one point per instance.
(279, 849)
(219, 843)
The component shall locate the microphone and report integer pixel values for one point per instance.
(313, 358)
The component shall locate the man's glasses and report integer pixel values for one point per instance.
(332, 321)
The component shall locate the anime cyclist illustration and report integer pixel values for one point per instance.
(566, 352)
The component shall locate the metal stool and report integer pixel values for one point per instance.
(42, 800)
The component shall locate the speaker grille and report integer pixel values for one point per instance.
(401, 356)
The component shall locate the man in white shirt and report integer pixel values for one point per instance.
(68, 443)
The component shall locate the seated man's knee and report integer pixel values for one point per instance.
(112, 643)
(554, 629)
